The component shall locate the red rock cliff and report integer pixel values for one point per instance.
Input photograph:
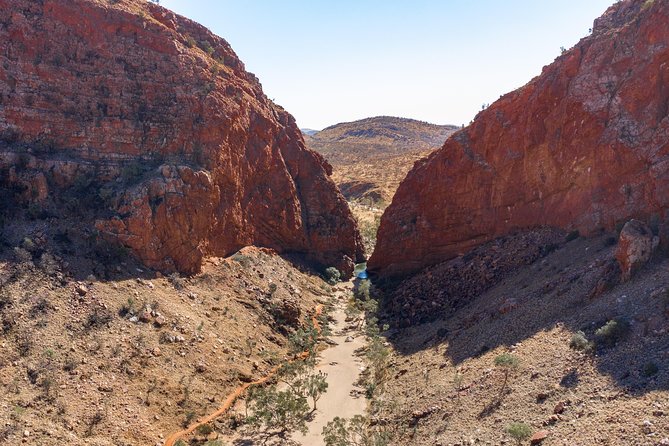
(582, 146)
(186, 155)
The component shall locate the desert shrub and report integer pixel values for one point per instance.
(242, 259)
(647, 4)
(580, 342)
(519, 431)
(24, 342)
(177, 281)
(332, 275)
(363, 290)
(507, 361)
(206, 47)
(191, 42)
(97, 318)
(129, 308)
(612, 332)
(205, 429)
(650, 369)
(41, 306)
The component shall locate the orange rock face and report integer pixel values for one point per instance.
(157, 116)
(585, 145)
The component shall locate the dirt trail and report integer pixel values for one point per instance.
(343, 368)
(229, 401)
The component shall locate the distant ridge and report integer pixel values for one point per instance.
(355, 150)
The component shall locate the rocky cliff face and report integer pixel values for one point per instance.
(154, 121)
(584, 146)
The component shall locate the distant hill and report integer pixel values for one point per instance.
(371, 156)
(309, 131)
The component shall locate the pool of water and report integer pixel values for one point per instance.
(360, 271)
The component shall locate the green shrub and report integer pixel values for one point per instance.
(507, 361)
(580, 342)
(362, 291)
(332, 275)
(612, 332)
(519, 431)
(205, 429)
(242, 259)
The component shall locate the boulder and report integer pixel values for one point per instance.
(635, 247)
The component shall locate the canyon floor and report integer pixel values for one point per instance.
(341, 361)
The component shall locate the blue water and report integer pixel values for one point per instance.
(360, 271)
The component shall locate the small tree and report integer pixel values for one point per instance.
(285, 410)
(315, 385)
(353, 432)
(519, 431)
(304, 339)
(508, 363)
(332, 275)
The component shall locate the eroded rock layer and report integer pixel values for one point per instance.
(151, 121)
(583, 146)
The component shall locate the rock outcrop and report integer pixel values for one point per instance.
(635, 247)
(154, 120)
(583, 146)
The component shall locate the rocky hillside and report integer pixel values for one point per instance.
(127, 356)
(580, 369)
(144, 123)
(371, 156)
(583, 146)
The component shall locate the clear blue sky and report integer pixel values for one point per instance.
(435, 60)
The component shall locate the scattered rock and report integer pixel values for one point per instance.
(160, 320)
(609, 277)
(508, 305)
(81, 289)
(647, 427)
(538, 437)
(559, 408)
(418, 414)
(349, 339)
